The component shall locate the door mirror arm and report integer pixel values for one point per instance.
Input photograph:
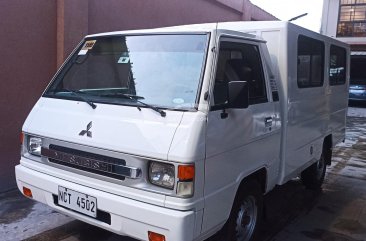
(238, 98)
(224, 114)
(223, 107)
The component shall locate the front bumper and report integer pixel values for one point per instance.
(127, 217)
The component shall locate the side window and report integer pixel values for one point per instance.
(337, 65)
(310, 62)
(239, 62)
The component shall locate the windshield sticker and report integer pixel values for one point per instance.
(124, 60)
(83, 52)
(89, 44)
(178, 101)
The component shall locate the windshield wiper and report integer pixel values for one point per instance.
(137, 99)
(123, 95)
(78, 93)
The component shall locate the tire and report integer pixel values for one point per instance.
(313, 176)
(246, 214)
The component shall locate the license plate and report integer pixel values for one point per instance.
(77, 201)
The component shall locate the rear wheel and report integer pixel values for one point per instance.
(246, 215)
(313, 176)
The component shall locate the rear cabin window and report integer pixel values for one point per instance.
(240, 62)
(310, 62)
(337, 65)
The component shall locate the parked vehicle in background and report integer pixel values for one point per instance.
(357, 88)
(173, 134)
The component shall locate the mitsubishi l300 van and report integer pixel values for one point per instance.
(173, 134)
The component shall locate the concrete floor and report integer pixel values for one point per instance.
(336, 213)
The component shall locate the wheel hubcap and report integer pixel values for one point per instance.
(247, 219)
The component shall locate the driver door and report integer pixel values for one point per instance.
(239, 141)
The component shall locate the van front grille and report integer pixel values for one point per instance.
(86, 161)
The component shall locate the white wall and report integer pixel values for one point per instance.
(330, 18)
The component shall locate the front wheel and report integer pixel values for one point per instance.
(313, 176)
(246, 215)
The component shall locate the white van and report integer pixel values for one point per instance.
(176, 133)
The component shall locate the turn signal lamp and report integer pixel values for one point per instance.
(186, 173)
(185, 185)
(21, 138)
(156, 237)
(27, 192)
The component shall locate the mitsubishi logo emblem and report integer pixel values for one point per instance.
(87, 131)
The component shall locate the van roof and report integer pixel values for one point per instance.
(204, 28)
(191, 28)
(247, 29)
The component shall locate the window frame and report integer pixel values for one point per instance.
(343, 82)
(238, 40)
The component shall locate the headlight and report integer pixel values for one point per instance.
(35, 145)
(162, 174)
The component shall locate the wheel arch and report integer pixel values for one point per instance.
(259, 176)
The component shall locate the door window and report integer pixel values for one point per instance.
(239, 62)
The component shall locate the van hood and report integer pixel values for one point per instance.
(112, 127)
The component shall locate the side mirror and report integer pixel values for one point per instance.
(238, 94)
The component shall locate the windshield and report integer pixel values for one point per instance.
(161, 70)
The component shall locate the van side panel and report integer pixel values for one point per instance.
(337, 94)
(308, 114)
(313, 112)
